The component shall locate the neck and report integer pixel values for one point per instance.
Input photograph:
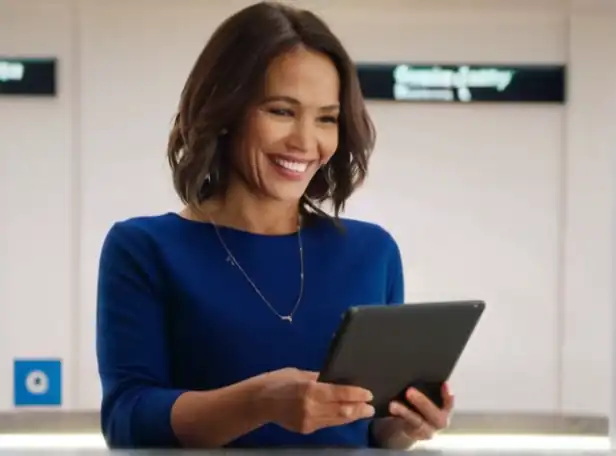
(246, 211)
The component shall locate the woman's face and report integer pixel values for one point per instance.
(293, 129)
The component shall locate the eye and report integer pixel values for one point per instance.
(329, 119)
(281, 112)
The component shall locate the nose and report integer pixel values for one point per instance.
(303, 137)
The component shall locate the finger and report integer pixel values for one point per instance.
(427, 409)
(425, 432)
(412, 419)
(448, 398)
(415, 426)
(355, 411)
(331, 414)
(310, 375)
(342, 413)
(345, 393)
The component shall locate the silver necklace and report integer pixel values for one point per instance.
(231, 260)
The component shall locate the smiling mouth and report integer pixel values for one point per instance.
(292, 166)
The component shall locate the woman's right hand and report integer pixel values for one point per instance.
(296, 401)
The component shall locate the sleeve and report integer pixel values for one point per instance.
(131, 344)
(395, 293)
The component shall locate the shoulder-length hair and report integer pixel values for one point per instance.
(228, 76)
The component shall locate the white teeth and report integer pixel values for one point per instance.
(298, 167)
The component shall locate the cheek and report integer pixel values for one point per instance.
(256, 138)
(245, 160)
(266, 136)
(328, 144)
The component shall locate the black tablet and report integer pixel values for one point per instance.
(387, 349)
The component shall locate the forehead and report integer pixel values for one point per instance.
(308, 76)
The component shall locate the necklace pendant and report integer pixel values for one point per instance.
(230, 261)
(288, 318)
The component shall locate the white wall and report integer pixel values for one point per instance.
(510, 203)
(37, 234)
(588, 277)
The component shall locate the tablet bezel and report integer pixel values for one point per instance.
(362, 327)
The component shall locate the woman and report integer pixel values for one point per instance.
(213, 322)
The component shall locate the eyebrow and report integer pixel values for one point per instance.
(295, 101)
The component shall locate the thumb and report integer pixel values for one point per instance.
(310, 375)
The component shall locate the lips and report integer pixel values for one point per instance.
(290, 168)
(291, 165)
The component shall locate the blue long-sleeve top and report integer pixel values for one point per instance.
(174, 315)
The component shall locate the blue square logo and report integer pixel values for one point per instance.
(37, 382)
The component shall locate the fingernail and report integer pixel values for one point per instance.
(346, 411)
(369, 410)
(394, 408)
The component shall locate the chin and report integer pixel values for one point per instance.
(286, 196)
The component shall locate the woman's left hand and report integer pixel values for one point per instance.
(408, 427)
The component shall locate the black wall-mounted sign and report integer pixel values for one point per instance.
(33, 77)
(463, 83)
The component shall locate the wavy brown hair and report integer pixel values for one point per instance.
(228, 77)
